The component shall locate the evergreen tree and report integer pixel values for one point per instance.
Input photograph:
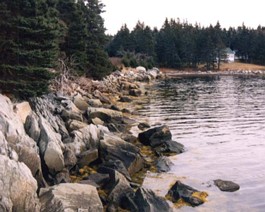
(29, 38)
(98, 61)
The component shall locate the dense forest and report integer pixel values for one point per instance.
(36, 34)
(180, 44)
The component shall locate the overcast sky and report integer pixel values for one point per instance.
(153, 12)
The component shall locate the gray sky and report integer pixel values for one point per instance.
(153, 12)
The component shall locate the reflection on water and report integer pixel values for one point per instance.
(221, 122)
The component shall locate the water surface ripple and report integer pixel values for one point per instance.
(221, 122)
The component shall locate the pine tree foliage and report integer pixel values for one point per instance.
(29, 39)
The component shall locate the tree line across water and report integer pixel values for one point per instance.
(36, 34)
(180, 44)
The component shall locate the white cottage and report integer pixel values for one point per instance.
(229, 55)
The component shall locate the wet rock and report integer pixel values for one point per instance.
(169, 147)
(228, 186)
(163, 164)
(18, 187)
(99, 178)
(114, 148)
(118, 187)
(115, 165)
(146, 200)
(187, 193)
(114, 107)
(125, 110)
(160, 139)
(70, 197)
(125, 99)
(143, 126)
(135, 92)
(87, 157)
(155, 136)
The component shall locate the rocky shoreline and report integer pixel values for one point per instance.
(72, 150)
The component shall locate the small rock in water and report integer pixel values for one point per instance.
(228, 186)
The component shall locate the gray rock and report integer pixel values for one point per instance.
(87, 157)
(32, 127)
(22, 109)
(146, 201)
(75, 125)
(103, 113)
(95, 103)
(114, 148)
(62, 177)
(68, 114)
(70, 159)
(163, 164)
(51, 147)
(17, 140)
(103, 98)
(18, 187)
(70, 197)
(99, 178)
(80, 102)
(228, 186)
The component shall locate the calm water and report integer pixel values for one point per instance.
(221, 122)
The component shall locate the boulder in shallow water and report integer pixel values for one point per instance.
(188, 194)
(228, 186)
(70, 197)
(160, 138)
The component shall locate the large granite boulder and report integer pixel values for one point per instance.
(160, 138)
(17, 140)
(114, 148)
(188, 194)
(18, 187)
(70, 197)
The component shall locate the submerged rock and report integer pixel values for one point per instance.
(228, 186)
(70, 197)
(188, 194)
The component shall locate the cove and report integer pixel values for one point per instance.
(221, 122)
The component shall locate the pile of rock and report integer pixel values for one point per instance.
(53, 140)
